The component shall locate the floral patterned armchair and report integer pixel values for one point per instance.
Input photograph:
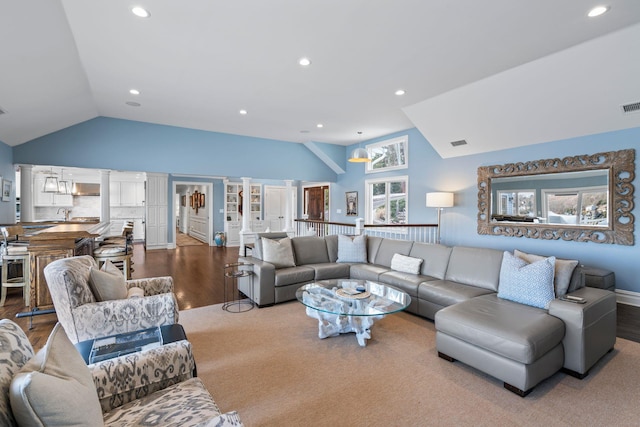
(84, 318)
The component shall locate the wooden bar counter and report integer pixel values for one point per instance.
(62, 240)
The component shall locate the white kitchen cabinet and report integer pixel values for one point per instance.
(232, 229)
(126, 193)
(49, 199)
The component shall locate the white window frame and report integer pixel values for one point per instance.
(578, 192)
(369, 199)
(404, 140)
(500, 193)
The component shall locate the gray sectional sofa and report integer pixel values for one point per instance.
(457, 287)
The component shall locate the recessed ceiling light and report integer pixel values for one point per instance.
(134, 92)
(400, 92)
(141, 12)
(319, 125)
(243, 112)
(305, 62)
(132, 104)
(597, 11)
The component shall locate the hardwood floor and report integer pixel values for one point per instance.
(197, 272)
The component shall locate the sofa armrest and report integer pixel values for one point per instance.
(264, 281)
(590, 328)
(99, 319)
(130, 377)
(153, 285)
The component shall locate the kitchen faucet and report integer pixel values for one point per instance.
(66, 213)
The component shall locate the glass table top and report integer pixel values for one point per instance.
(351, 297)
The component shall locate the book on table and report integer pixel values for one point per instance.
(121, 344)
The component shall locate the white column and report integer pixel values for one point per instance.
(105, 203)
(27, 212)
(288, 213)
(245, 232)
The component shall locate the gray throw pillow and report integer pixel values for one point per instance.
(563, 271)
(278, 252)
(55, 388)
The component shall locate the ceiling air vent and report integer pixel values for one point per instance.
(458, 143)
(631, 108)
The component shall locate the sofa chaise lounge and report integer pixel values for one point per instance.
(458, 287)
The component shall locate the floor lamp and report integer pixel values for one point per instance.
(439, 200)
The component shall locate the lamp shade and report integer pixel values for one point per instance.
(359, 155)
(439, 200)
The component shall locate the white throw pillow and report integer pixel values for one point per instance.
(55, 388)
(406, 264)
(530, 284)
(564, 270)
(278, 252)
(352, 249)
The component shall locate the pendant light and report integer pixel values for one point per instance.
(63, 186)
(360, 155)
(50, 183)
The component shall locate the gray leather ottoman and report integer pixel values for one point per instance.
(516, 343)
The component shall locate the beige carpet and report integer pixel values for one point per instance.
(183, 239)
(270, 366)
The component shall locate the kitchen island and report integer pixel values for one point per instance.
(47, 244)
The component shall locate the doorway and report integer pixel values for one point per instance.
(275, 205)
(195, 223)
(316, 202)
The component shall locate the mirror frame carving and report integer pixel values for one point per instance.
(621, 168)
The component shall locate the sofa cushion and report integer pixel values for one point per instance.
(435, 258)
(406, 264)
(445, 293)
(367, 271)
(278, 252)
(256, 252)
(406, 281)
(389, 247)
(352, 249)
(107, 284)
(289, 276)
(310, 250)
(530, 284)
(55, 388)
(515, 331)
(373, 244)
(475, 266)
(332, 247)
(15, 352)
(330, 270)
(563, 270)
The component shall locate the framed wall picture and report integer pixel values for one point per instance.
(201, 201)
(6, 190)
(183, 200)
(352, 203)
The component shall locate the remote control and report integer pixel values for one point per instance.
(571, 297)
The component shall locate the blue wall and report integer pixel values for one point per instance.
(7, 171)
(428, 172)
(135, 146)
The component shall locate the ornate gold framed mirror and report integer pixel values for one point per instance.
(586, 198)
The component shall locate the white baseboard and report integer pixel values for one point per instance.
(628, 297)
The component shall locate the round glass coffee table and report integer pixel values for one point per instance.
(346, 305)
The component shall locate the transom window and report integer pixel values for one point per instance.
(387, 200)
(388, 155)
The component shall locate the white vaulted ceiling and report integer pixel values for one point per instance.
(497, 73)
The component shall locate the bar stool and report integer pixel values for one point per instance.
(15, 282)
(118, 250)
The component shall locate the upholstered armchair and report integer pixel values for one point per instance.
(84, 317)
(55, 387)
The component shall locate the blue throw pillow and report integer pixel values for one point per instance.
(352, 249)
(530, 284)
